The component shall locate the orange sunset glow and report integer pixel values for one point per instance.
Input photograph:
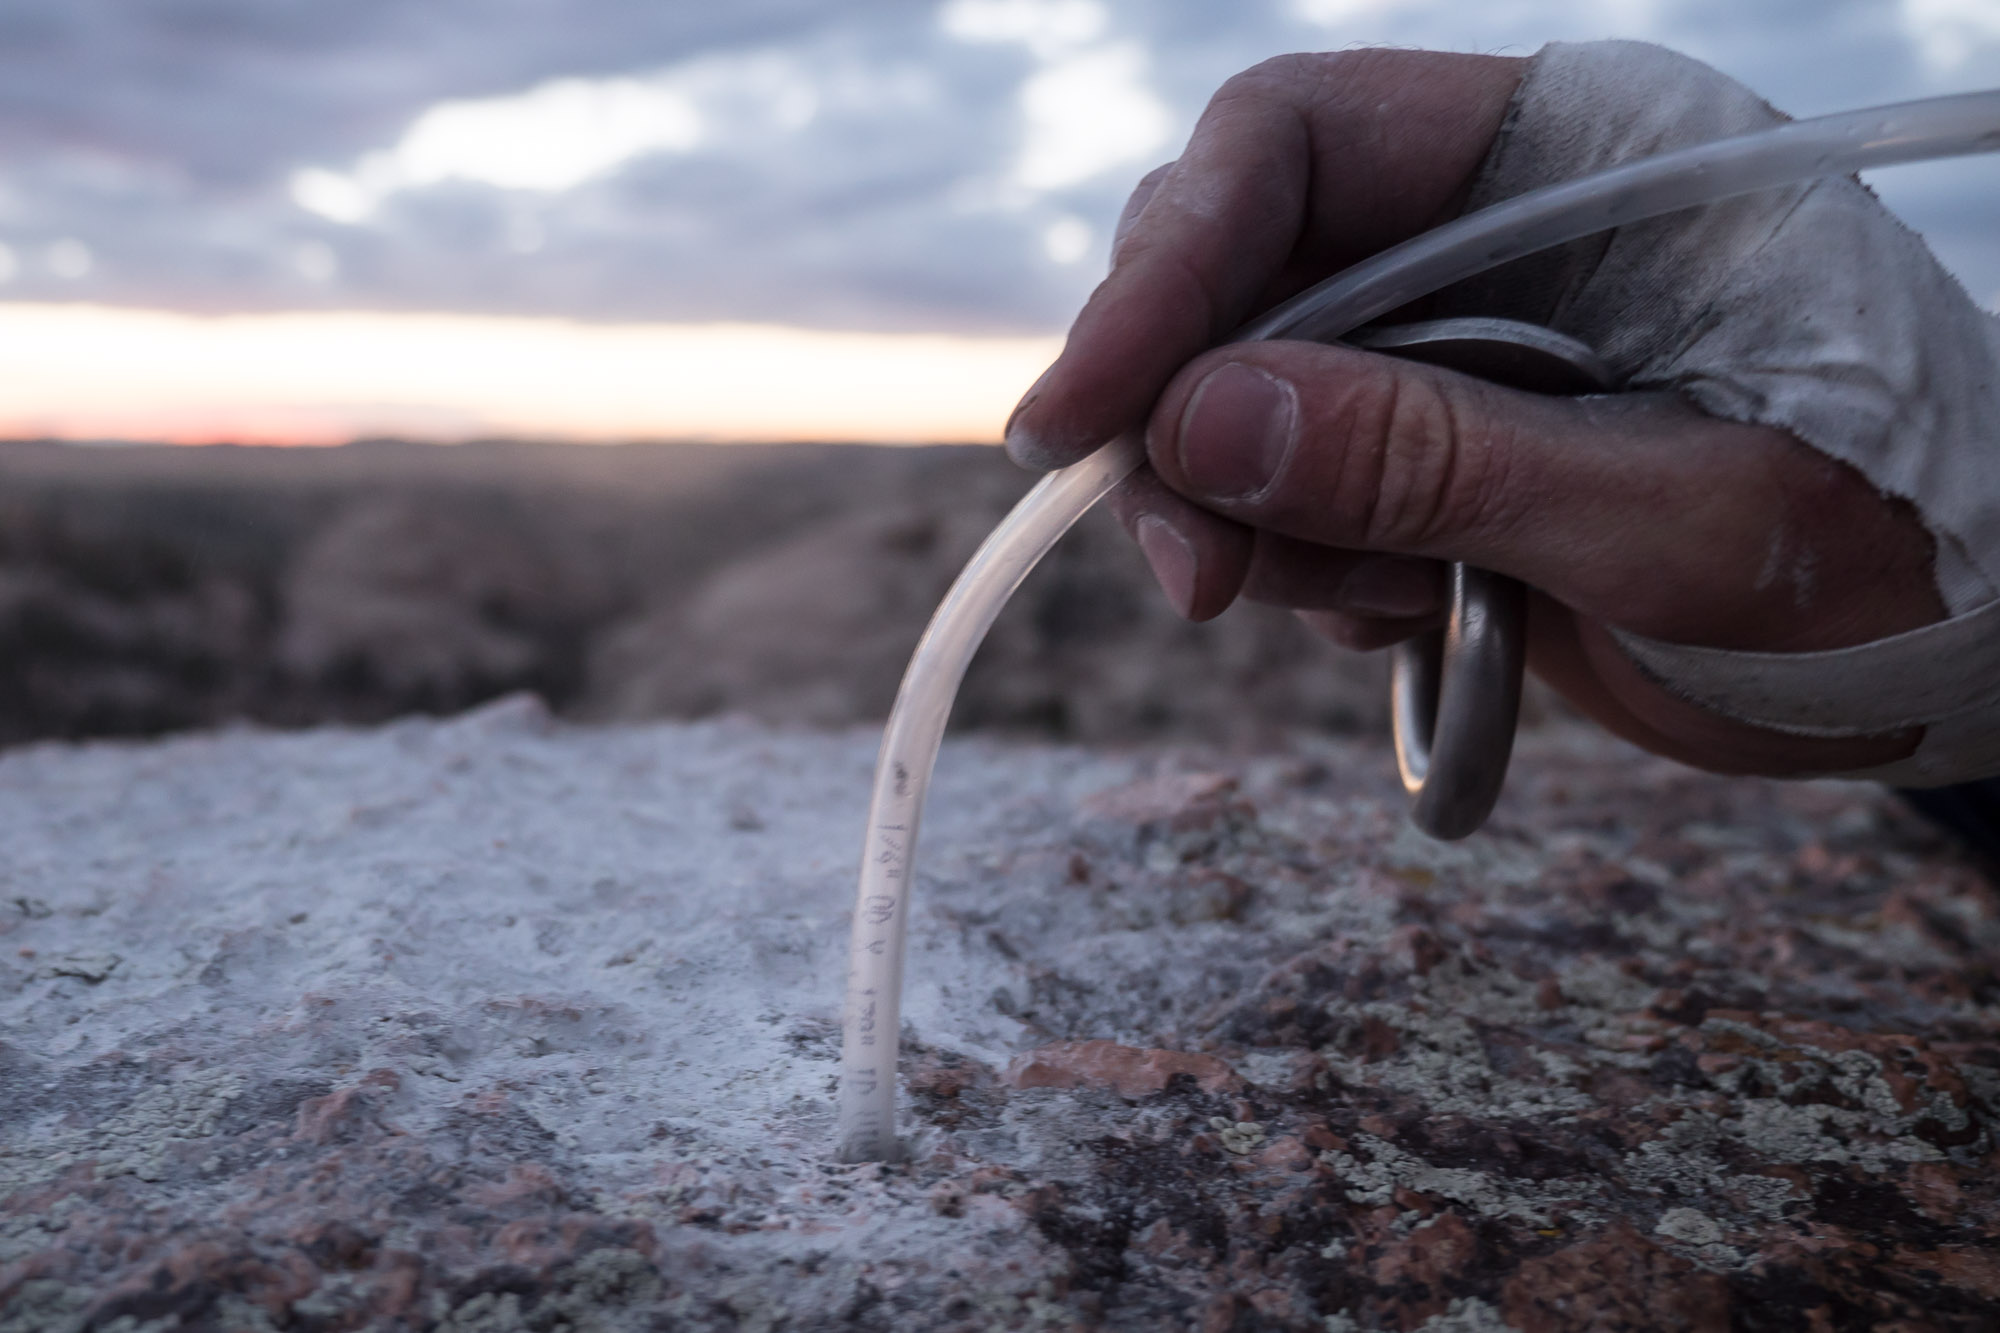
(96, 372)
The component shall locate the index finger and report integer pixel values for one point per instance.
(1298, 167)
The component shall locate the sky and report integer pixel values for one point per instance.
(296, 221)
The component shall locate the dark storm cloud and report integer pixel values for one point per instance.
(857, 165)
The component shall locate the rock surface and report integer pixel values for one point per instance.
(501, 1024)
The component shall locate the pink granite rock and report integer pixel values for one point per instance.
(498, 1024)
(1130, 1072)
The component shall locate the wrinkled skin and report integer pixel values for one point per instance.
(1336, 482)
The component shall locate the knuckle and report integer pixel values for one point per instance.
(1163, 266)
(1287, 84)
(1135, 207)
(1426, 466)
(1366, 65)
(1420, 448)
(1347, 86)
(1278, 76)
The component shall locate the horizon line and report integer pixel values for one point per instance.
(94, 372)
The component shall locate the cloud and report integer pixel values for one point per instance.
(883, 164)
(551, 138)
(1950, 33)
(1088, 113)
(1049, 28)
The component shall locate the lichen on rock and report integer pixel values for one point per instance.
(500, 1024)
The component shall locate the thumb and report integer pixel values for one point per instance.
(1634, 509)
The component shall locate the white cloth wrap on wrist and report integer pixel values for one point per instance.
(1811, 309)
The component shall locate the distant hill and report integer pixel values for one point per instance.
(150, 588)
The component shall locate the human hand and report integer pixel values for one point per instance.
(1334, 481)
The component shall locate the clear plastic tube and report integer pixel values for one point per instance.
(1938, 127)
(903, 772)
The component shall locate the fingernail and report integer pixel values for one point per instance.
(1023, 446)
(1237, 431)
(1172, 558)
(1390, 586)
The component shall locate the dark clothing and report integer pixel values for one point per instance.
(1969, 809)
